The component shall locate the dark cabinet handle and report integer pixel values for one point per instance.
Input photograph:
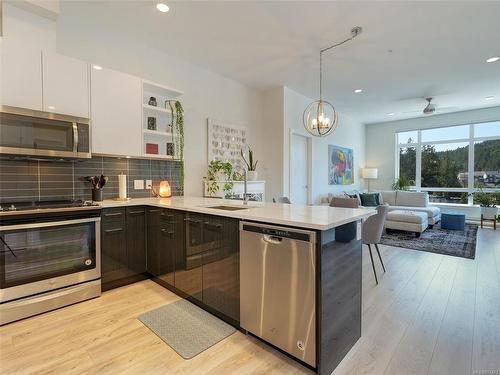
(113, 230)
(113, 214)
(192, 221)
(214, 225)
(158, 210)
(164, 231)
(135, 212)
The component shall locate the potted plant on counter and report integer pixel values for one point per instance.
(251, 165)
(219, 174)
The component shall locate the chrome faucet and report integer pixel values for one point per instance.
(245, 196)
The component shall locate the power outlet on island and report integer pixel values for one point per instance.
(149, 183)
(138, 184)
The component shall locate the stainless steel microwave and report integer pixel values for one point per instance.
(25, 132)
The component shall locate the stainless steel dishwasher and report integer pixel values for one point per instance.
(278, 287)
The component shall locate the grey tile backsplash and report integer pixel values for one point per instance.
(27, 180)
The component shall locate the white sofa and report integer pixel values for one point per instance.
(411, 201)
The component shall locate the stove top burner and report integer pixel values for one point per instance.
(41, 205)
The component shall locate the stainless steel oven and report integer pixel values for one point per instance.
(48, 261)
(32, 133)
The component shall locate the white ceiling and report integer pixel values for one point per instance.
(438, 48)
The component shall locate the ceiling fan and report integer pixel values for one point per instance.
(431, 108)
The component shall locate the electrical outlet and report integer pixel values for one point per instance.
(138, 184)
(149, 183)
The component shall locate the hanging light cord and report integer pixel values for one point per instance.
(355, 31)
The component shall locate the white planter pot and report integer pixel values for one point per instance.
(489, 212)
(251, 175)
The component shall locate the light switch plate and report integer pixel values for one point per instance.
(149, 183)
(138, 184)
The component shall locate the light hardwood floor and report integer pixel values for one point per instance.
(430, 314)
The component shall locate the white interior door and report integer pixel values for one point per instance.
(299, 174)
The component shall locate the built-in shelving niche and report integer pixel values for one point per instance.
(159, 138)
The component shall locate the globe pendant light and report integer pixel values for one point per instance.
(320, 117)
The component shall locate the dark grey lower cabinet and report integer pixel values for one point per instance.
(123, 251)
(164, 237)
(198, 255)
(221, 284)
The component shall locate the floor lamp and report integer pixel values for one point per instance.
(369, 174)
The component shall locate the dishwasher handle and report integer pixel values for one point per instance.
(275, 234)
(272, 239)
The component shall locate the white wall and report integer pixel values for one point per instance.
(381, 139)
(206, 95)
(272, 142)
(350, 134)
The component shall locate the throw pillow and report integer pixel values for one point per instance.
(369, 200)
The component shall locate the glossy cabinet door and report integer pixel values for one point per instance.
(65, 85)
(221, 290)
(114, 257)
(116, 102)
(136, 239)
(21, 75)
(164, 236)
(154, 240)
(188, 272)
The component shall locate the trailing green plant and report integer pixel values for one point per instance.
(251, 165)
(177, 113)
(215, 168)
(401, 183)
(485, 199)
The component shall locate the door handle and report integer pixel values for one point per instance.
(164, 231)
(113, 214)
(272, 239)
(75, 137)
(113, 230)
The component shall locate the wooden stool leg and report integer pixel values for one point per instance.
(373, 264)
(379, 257)
(481, 221)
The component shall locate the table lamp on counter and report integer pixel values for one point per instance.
(164, 191)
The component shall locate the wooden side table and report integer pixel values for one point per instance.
(493, 220)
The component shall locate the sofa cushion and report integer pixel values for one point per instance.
(407, 216)
(369, 199)
(412, 199)
(389, 197)
(430, 210)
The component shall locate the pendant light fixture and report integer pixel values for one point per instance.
(320, 117)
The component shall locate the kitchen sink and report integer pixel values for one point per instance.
(228, 208)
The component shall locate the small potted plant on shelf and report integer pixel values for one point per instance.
(219, 174)
(488, 202)
(251, 165)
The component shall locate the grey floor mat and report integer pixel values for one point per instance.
(186, 328)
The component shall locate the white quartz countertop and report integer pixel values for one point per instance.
(302, 216)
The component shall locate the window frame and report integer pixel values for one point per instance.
(471, 140)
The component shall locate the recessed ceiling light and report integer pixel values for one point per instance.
(97, 67)
(162, 7)
(357, 91)
(489, 97)
(390, 114)
(493, 59)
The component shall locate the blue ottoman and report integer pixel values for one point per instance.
(453, 221)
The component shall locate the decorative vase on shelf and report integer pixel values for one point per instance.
(251, 175)
(152, 101)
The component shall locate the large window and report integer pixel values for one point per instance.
(450, 163)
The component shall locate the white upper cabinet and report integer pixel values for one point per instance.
(65, 85)
(21, 70)
(116, 105)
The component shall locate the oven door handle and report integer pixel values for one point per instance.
(48, 224)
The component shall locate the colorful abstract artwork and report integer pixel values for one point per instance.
(340, 165)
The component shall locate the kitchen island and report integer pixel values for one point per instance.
(218, 253)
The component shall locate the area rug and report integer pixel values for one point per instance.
(186, 328)
(442, 241)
